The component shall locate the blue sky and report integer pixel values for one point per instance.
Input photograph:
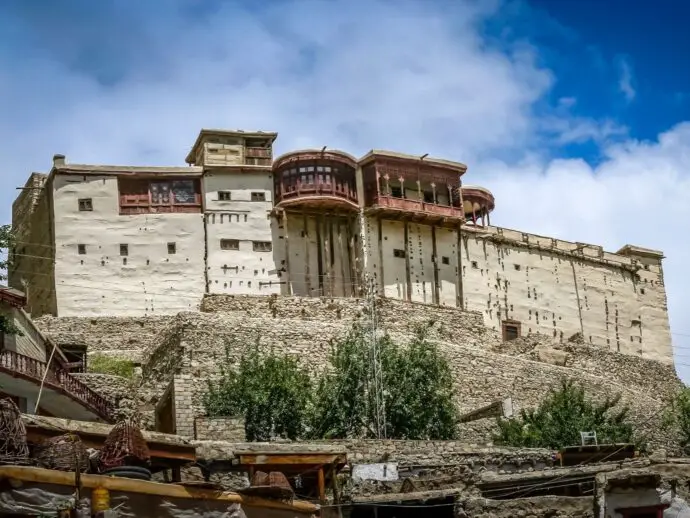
(575, 113)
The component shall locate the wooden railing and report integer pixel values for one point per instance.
(56, 379)
(258, 152)
(329, 185)
(418, 206)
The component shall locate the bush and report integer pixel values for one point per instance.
(104, 364)
(271, 391)
(561, 416)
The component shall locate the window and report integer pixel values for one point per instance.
(429, 197)
(81, 249)
(398, 253)
(85, 204)
(258, 196)
(517, 267)
(445, 260)
(396, 191)
(124, 250)
(224, 196)
(511, 330)
(474, 264)
(229, 244)
(172, 248)
(262, 246)
(145, 196)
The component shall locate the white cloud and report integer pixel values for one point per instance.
(396, 77)
(625, 80)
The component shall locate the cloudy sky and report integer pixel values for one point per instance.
(577, 118)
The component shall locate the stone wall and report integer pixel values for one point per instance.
(229, 429)
(533, 507)
(485, 369)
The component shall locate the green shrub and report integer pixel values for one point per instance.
(104, 364)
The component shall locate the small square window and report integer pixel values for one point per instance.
(517, 267)
(224, 196)
(124, 250)
(85, 204)
(262, 246)
(258, 196)
(396, 191)
(81, 249)
(511, 330)
(399, 253)
(474, 264)
(172, 248)
(229, 244)
(429, 197)
(641, 291)
(445, 260)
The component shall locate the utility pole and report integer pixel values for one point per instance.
(376, 380)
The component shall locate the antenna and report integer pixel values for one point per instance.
(377, 376)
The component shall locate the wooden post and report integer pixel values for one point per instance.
(322, 486)
(287, 253)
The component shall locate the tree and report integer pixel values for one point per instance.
(677, 418)
(418, 390)
(561, 416)
(271, 391)
(5, 245)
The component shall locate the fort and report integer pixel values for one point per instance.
(138, 241)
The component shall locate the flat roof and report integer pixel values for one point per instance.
(448, 164)
(12, 296)
(208, 132)
(127, 169)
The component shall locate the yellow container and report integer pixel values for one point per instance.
(100, 500)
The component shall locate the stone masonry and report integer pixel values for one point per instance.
(485, 369)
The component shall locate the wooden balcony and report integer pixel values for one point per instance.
(258, 152)
(56, 380)
(391, 207)
(319, 192)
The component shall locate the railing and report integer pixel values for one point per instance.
(56, 379)
(258, 152)
(330, 185)
(418, 206)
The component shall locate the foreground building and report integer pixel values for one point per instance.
(98, 240)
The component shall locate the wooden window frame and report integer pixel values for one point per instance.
(232, 244)
(262, 246)
(224, 195)
(399, 253)
(258, 196)
(85, 204)
(505, 324)
(153, 195)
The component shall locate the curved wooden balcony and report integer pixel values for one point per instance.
(29, 372)
(316, 180)
(477, 203)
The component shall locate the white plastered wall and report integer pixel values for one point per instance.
(99, 282)
(242, 271)
(560, 295)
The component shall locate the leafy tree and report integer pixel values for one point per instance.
(561, 416)
(677, 418)
(5, 245)
(418, 391)
(271, 391)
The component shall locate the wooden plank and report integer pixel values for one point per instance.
(287, 459)
(63, 478)
(322, 486)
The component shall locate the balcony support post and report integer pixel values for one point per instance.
(434, 252)
(408, 273)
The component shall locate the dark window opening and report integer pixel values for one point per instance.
(258, 196)
(124, 250)
(511, 330)
(398, 253)
(224, 196)
(229, 244)
(143, 196)
(85, 204)
(445, 260)
(396, 191)
(262, 246)
(81, 249)
(474, 264)
(517, 267)
(172, 248)
(429, 197)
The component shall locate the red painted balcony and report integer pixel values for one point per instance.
(63, 395)
(414, 210)
(316, 180)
